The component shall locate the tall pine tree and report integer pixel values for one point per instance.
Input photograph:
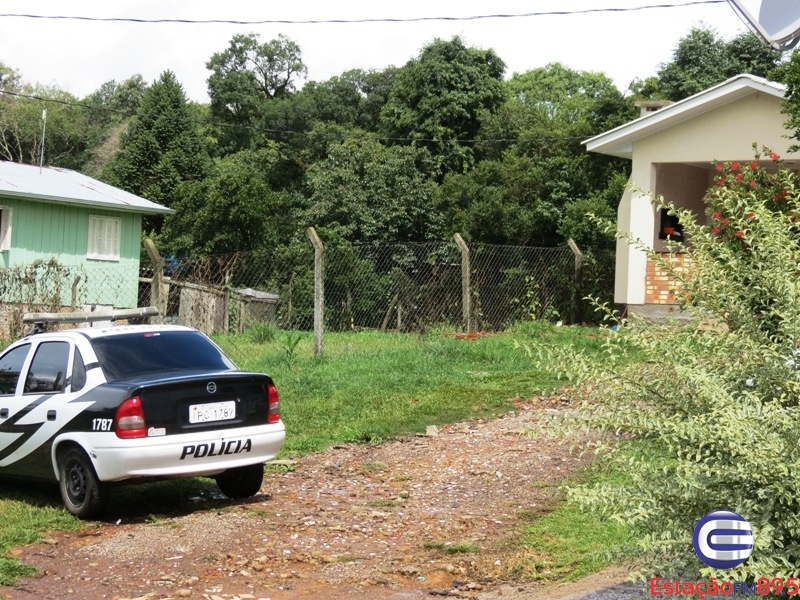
(161, 149)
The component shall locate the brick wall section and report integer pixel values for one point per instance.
(659, 285)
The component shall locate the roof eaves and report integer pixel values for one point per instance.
(618, 141)
(147, 210)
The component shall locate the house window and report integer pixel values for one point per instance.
(670, 227)
(5, 228)
(104, 238)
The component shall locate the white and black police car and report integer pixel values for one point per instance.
(88, 407)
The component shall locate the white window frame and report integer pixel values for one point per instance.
(105, 238)
(5, 228)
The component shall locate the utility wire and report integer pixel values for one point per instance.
(128, 114)
(357, 21)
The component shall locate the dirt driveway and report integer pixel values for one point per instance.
(421, 516)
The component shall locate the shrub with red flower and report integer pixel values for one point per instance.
(752, 227)
(745, 190)
(716, 398)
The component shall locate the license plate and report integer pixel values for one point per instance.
(213, 411)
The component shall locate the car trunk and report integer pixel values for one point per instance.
(208, 401)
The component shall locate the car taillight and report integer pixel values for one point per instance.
(129, 420)
(274, 404)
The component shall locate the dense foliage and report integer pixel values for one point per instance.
(161, 148)
(448, 142)
(701, 59)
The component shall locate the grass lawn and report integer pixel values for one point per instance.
(368, 387)
(371, 386)
(568, 543)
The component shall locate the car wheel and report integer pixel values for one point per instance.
(241, 482)
(83, 494)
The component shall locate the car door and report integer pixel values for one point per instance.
(12, 363)
(39, 407)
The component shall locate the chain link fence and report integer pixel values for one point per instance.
(398, 287)
(417, 287)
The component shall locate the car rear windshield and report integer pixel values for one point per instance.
(133, 355)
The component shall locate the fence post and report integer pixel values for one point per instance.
(319, 289)
(577, 278)
(159, 291)
(466, 309)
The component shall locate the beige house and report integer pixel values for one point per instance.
(672, 147)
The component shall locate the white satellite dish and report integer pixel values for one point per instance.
(778, 21)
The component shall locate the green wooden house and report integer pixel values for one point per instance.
(65, 235)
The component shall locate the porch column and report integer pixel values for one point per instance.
(636, 217)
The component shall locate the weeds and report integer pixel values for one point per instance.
(263, 333)
(289, 345)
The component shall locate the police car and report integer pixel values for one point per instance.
(88, 407)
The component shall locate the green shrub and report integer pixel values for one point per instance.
(263, 333)
(715, 400)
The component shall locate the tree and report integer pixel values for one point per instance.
(437, 97)
(120, 100)
(790, 75)
(245, 76)
(496, 203)
(702, 59)
(536, 164)
(69, 137)
(313, 119)
(366, 192)
(233, 209)
(747, 53)
(162, 147)
(10, 79)
(577, 225)
(352, 99)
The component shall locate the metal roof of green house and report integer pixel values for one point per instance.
(63, 186)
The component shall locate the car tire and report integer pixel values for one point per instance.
(241, 482)
(82, 492)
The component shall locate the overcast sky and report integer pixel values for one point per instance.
(79, 56)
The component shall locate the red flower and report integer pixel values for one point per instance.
(754, 165)
(740, 234)
(778, 197)
(735, 166)
(718, 167)
(715, 230)
(717, 214)
(739, 177)
(724, 222)
(751, 215)
(721, 181)
(753, 183)
(774, 155)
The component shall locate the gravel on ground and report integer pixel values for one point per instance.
(428, 515)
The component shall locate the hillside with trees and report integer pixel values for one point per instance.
(448, 142)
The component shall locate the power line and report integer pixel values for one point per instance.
(288, 132)
(358, 21)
